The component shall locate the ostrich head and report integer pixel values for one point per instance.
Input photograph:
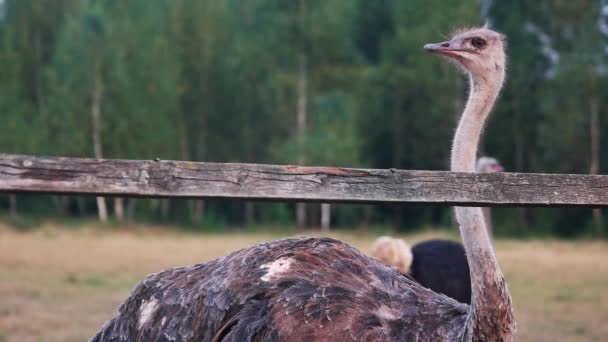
(393, 252)
(479, 51)
(488, 164)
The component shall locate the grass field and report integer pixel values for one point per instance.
(61, 285)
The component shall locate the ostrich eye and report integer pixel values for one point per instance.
(478, 42)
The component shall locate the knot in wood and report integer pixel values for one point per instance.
(324, 177)
(143, 177)
(241, 177)
(27, 163)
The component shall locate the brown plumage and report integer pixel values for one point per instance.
(300, 289)
(325, 290)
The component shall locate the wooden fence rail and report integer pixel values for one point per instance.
(156, 178)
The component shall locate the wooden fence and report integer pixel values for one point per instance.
(162, 178)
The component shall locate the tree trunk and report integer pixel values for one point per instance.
(119, 209)
(301, 132)
(82, 207)
(165, 208)
(301, 216)
(61, 205)
(102, 210)
(594, 135)
(397, 211)
(96, 99)
(12, 205)
(249, 213)
(197, 211)
(131, 204)
(365, 219)
(325, 217)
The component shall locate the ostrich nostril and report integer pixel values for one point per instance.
(446, 44)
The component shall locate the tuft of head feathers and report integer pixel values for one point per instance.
(393, 252)
(474, 30)
(487, 165)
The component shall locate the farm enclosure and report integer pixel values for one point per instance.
(61, 285)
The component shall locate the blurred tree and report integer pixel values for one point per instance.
(337, 83)
(79, 75)
(409, 100)
(520, 111)
(114, 44)
(199, 35)
(14, 108)
(29, 34)
(582, 74)
(145, 77)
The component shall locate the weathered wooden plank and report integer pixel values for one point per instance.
(58, 175)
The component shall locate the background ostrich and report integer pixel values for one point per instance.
(440, 265)
(393, 252)
(320, 289)
(488, 165)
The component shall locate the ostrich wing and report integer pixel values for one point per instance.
(300, 289)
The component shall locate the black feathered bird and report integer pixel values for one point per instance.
(441, 265)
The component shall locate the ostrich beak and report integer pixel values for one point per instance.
(444, 48)
(434, 47)
(499, 168)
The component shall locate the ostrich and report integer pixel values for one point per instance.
(393, 252)
(488, 165)
(321, 289)
(441, 265)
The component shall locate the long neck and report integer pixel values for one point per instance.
(482, 95)
(491, 315)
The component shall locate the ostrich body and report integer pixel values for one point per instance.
(488, 165)
(441, 265)
(300, 289)
(319, 289)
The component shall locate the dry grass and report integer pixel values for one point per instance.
(60, 285)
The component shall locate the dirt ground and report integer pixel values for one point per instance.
(62, 284)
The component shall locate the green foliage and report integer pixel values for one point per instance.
(217, 80)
